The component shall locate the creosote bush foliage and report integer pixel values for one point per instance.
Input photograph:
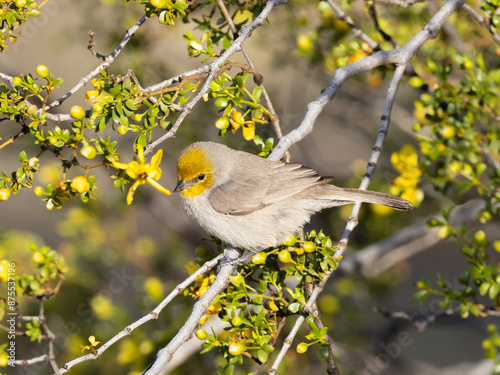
(441, 55)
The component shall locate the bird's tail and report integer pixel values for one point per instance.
(340, 196)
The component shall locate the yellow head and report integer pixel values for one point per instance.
(195, 172)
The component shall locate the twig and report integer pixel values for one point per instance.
(409, 241)
(331, 368)
(375, 155)
(353, 219)
(401, 3)
(490, 160)
(356, 30)
(214, 68)
(449, 30)
(484, 21)
(220, 283)
(91, 46)
(50, 336)
(152, 315)
(419, 321)
(107, 62)
(398, 56)
(373, 14)
(275, 121)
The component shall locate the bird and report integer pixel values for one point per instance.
(253, 203)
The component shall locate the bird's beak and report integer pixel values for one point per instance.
(181, 185)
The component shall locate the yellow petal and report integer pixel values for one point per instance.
(158, 186)
(140, 153)
(249, 132)
(118, 165)
(134, 169)
(155, 160)
(191, 267)
(131, 191)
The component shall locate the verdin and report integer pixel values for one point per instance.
(253, 203)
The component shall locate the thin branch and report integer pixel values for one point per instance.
(411, 240)
(401, 3)
(152, 315)
(398, 56)
(403, 55)
(375, 155)
(353, 219)
(164, 356)
(372, 11)
(489, 158)
(275, 121)
(419, 321)
(356, 30)
(454, 38)
(107, 62)
(484, 21)
(214, 68)
(331, 368)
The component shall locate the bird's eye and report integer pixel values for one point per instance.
(201, 177)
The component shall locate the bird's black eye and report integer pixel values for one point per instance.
(201, 177)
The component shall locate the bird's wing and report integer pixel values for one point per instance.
(238, 197)
(244, 196)
(290, 179)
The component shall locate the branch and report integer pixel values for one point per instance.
(107, 62)
(214, 68)
(419, 321)
(373, 14)
(356, 30)
(152, 315)
(398, 56)
(401, 3)
(274, 116)
(484, 21)
(220, 283)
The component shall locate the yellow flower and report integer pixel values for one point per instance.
(203, 282)
(249, 130)
(406, 163)
(92, 345)
(143, 172)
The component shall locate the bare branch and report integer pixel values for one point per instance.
(152, 315)
(419, 321)
(356, 30)
(372, 11)
(399, 56)
(401, 3)
(220, 283)
(214, 68)
(353, 219)
(274, 116)
(484, 21)
(107, 62)
(409, 241)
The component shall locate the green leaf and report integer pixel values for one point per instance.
(257, 92)
(483, 289)
(421, 295)
(294, 307)
(494, 290)
(22, 157)
(262, 356)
